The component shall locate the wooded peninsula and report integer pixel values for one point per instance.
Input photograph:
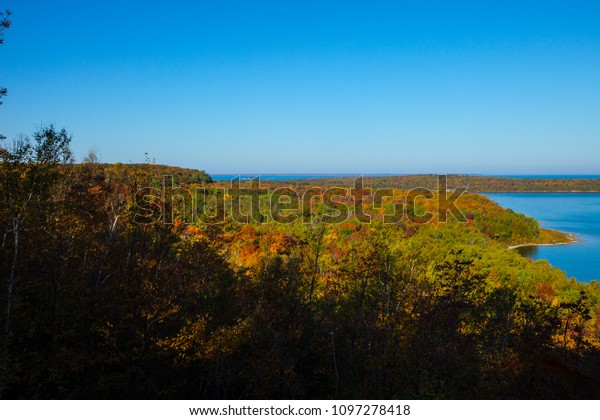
(473, 183)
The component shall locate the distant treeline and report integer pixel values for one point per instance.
(472, 183)
(153, 173)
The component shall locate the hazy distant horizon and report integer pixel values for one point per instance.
(290, 176)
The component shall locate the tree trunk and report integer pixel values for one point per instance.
(11, 283)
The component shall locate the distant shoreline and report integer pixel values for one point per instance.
(537, 192)
(572, 240)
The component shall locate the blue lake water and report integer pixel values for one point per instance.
(577, 213)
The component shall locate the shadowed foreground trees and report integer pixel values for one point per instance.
(106, 308)
(29, 171)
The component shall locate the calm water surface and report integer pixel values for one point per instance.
(577, 213)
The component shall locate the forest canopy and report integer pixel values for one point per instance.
(96, 305)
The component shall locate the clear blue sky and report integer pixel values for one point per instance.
(300, 86)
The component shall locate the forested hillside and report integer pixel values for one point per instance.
(97, 304)
(153, 173)
(471, 182)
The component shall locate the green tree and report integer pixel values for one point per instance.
(28, 170)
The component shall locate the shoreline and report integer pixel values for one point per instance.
(537, 192)
(572, 240)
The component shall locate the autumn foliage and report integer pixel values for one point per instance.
(103, 307)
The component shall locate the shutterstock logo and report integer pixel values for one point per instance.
(248, 202)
